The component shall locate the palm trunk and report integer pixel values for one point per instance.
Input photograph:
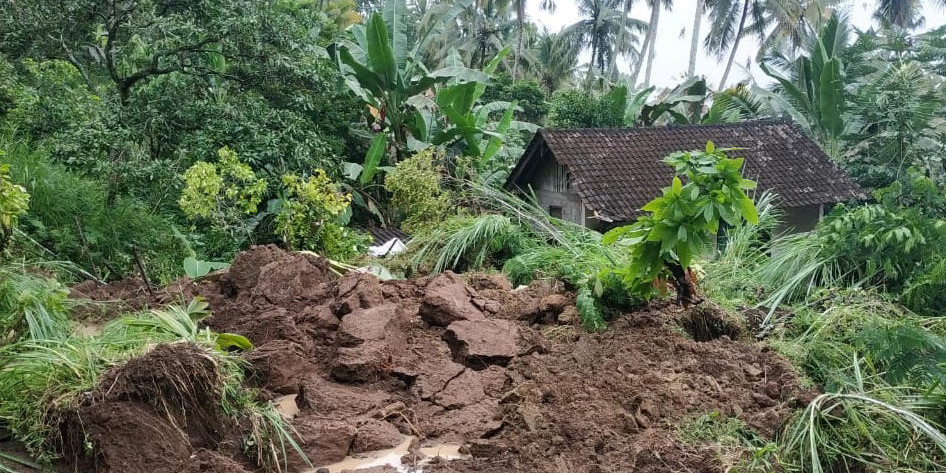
(520, 14)
(591, 65)
(735, 46)
(622, 38)
(695, 40)
(655, 19)
(647, 40)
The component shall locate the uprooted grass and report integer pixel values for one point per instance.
(882, 369)
(31, 305)
(42, 377)
(737, 447)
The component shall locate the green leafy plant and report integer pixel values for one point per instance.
(313, 214)
(873, 245)
(224, 193)
(388, 74)
(14, 202)
(683, 221)
(416, 191)
(195, 268)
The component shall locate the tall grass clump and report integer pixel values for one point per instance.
(730, 276)
(882, 370)
(42, 377)
(463, 242)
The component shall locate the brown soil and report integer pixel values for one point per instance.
(149, 414)
(508, 373)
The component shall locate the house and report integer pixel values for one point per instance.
(601, 177)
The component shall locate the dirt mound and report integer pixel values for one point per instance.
(610, 401)
(506, 372)
(148, 414)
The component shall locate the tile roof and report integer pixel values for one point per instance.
(380, 235)
(618, 170)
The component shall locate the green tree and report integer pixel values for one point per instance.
(681, 224)
(896, 108)
(603, 21)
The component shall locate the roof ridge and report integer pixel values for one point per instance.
(754, 122)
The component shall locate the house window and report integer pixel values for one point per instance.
(555, 211)
(560, 179)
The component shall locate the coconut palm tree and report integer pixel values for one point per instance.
(520, 5)
(784, 26)
(695, 36)
(555, 61)
(624, 40)
(647, 50)
(901, 13)
(602, 23)
(484, 29)
(727, 27)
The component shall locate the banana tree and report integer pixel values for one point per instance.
(467, 123)
(813, 95)
(382, 70)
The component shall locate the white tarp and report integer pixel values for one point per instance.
(390, 247)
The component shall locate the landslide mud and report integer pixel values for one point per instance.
(506, 373)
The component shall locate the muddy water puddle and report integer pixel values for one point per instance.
(286, 406)
(392, 457)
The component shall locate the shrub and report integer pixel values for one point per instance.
(14, 202)
(416, 192)
(573, 108)
(898, 250)
(313, 214)
(224, 193)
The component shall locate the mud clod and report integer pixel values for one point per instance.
(481, 343)
(447, 300)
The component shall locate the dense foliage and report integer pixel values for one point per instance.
(416, 192)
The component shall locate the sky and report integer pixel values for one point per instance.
(673, 38)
